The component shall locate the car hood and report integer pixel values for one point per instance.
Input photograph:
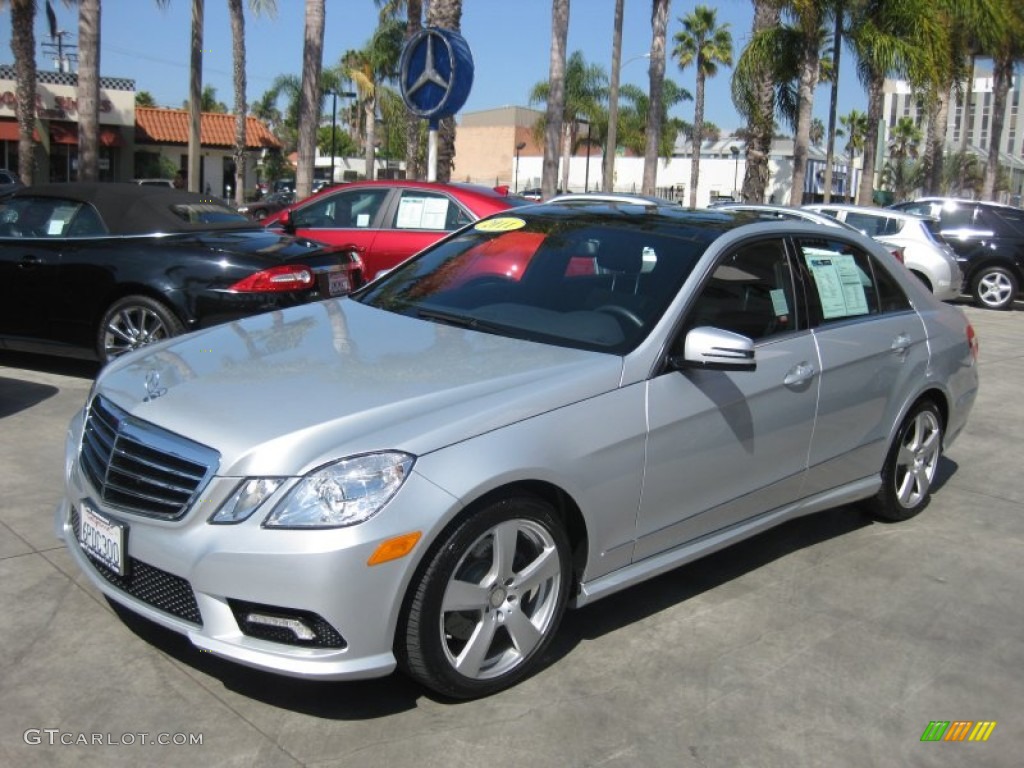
(284, 392)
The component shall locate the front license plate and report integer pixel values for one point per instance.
(338, 283)
(102, 539)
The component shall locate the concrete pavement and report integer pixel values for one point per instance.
(831, 641)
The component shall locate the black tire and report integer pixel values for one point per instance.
(994, 288)
(910, 466)
(132, 322)
(507, 613)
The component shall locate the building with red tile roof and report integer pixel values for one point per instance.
(154, 125)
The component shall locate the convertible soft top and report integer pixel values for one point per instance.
(134, 209)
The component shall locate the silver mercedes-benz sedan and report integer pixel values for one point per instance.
(547, 407)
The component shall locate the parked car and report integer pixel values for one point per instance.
(988, 239)
(428, 472)
(95, 270)
(9, 181)
(273, 203)
(533, 193)
(386, 222)
(925, 251)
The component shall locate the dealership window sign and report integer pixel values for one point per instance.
(437, 75)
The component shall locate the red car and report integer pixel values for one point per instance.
(388, 221)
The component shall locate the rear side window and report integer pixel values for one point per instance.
(847, 282)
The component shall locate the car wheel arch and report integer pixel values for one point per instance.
(123, 290)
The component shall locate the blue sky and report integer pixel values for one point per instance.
(510, 40)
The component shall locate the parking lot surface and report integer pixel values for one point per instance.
(830, 641)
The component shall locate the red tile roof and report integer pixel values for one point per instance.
(170, 126)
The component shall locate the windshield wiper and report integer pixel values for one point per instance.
(462, 321)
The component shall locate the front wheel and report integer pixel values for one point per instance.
(133, 322)
(995, 288)
(488, 601)
(910, 466)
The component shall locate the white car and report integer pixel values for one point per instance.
(924, 252)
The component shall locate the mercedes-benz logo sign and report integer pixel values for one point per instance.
(437, 72)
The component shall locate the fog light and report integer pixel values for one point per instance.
(296, 626)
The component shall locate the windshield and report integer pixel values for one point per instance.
(585, 281)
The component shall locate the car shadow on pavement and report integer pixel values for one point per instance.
(62, 366)
(17, 395)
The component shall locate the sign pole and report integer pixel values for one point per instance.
(434, 125)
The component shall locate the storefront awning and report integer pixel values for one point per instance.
(67, 133)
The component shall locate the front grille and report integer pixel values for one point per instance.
(326, 635)
(160, 589)
(141, 468)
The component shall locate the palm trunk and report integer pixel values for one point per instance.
(608, 162)
(762, 125)
(938, 114)
(88, 93)
(659, 29)
(370, 149)
(309, 98)
(1002, 80)
(414, 165)
(556, 95)
(801, 143)
(238, 56)
(195, 97)
(833, 104)
(865, 194)
(567, 142)
(23, 46)
(698, 134)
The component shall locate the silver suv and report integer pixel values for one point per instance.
(924, 251)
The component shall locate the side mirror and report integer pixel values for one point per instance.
(286, 222)
(715, 349)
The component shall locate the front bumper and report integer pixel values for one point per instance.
(190, 576)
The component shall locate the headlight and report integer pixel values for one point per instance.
(246, 499)
(346, 492)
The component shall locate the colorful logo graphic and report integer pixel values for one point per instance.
(958, 730)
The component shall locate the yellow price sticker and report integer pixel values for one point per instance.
(502, 224)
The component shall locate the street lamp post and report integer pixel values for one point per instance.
(519, 146)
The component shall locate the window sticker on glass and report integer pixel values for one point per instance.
(779, 303)
(363, 220)
(839, 282)
(422, 213)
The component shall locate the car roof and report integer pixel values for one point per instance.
(959, 201)
(869, 211)
(135, 209)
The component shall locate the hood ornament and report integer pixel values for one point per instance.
(153, 388)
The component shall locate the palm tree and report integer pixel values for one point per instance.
(414, 160)
(556, 95)
(753, 95)
(808, 17)
(633, 119)
(703, 43)
(195, 95)
(659, 33)
(310, 96)
(144, 99)
(585, 90)
(1008, 48)
(888, 39)
(23, 46)
(608, 163)
(904, 137)
(88, 91)
(208, 102)
(854, 127)
(446, 14)
(235, 11)
(367, 68)
(817, 132)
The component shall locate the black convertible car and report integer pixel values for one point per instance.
(95, 270)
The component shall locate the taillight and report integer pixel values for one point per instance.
(972, 341)
(288, 277)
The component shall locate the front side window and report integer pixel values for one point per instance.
(350, 209)
(750, 292)
(847, 282)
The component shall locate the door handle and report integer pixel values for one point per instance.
(799, 374)
(901, 344)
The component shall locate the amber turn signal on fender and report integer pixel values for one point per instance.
(395, 548)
